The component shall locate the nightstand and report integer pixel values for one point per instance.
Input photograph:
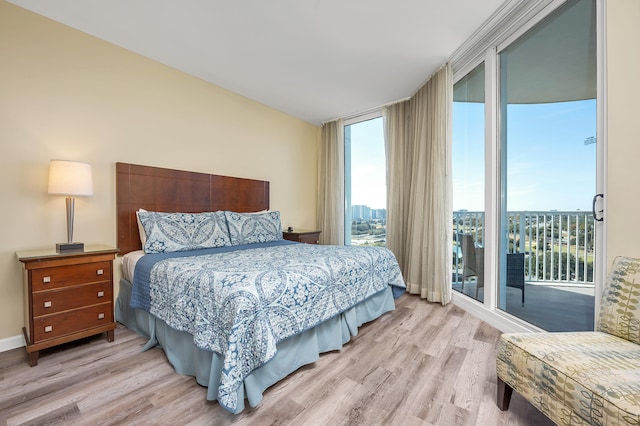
(302, 236)
(68, 296)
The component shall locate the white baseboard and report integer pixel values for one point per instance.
(11, 343)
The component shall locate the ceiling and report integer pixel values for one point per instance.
(315, 60)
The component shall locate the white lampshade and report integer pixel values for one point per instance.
(70, 178)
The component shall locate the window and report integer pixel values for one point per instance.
(365, 183)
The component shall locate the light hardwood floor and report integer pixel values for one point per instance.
(423, 364)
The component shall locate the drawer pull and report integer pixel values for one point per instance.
(46, 279)
(47, 304)
(100, 272)
(100, 315)
(101, 293)
(48, 328)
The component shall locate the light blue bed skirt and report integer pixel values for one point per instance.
(294, 352)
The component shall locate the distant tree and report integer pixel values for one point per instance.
(363, 228)
(559, 273)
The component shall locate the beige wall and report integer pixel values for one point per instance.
(67, 95)
(623, 109)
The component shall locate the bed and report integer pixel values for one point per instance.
(238, 308)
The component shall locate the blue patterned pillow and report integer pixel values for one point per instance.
(251, 228)
(169, 232)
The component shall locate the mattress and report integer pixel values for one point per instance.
(129, 262)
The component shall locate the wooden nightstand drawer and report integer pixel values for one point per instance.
(56, 325)
(50, 302)
(62, 276)
(308, 237)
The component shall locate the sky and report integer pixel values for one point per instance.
(549, 167)
(368, 164)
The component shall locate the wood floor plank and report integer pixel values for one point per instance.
(474, 372)
(62, 416)
(463, 336)
(423, 364)
(486, 333)
(322, 411)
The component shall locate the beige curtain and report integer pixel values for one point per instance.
(330, 215)
(419, 209)
(398, 177)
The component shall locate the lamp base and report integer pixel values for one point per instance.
(69, 247)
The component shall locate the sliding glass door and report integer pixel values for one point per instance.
(468, 184)
(548, 170)
(525, 160)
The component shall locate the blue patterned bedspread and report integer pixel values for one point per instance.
(241, 303)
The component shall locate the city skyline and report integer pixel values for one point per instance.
(361, 212)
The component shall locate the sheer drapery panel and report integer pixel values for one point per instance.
(419, 207)
(330, 215)
(398, 178)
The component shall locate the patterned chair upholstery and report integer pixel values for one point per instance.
(582, 378)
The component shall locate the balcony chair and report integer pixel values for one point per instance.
(581, 378)
(473, 265)
(472, 261)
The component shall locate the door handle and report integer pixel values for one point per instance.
(593, 208)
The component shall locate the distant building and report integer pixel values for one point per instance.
(379, 214)
(360, 212)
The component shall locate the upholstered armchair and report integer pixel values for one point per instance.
(577, 378)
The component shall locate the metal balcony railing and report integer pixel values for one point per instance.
(558, 245)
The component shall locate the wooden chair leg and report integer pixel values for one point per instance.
(504, 395)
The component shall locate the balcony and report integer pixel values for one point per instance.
(558, 266)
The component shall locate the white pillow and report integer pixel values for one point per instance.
(143, 235)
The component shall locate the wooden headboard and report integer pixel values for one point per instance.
(166, 190)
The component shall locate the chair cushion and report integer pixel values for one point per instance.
(574, 378)
(620, 304)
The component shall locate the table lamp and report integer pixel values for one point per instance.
(70, 178)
